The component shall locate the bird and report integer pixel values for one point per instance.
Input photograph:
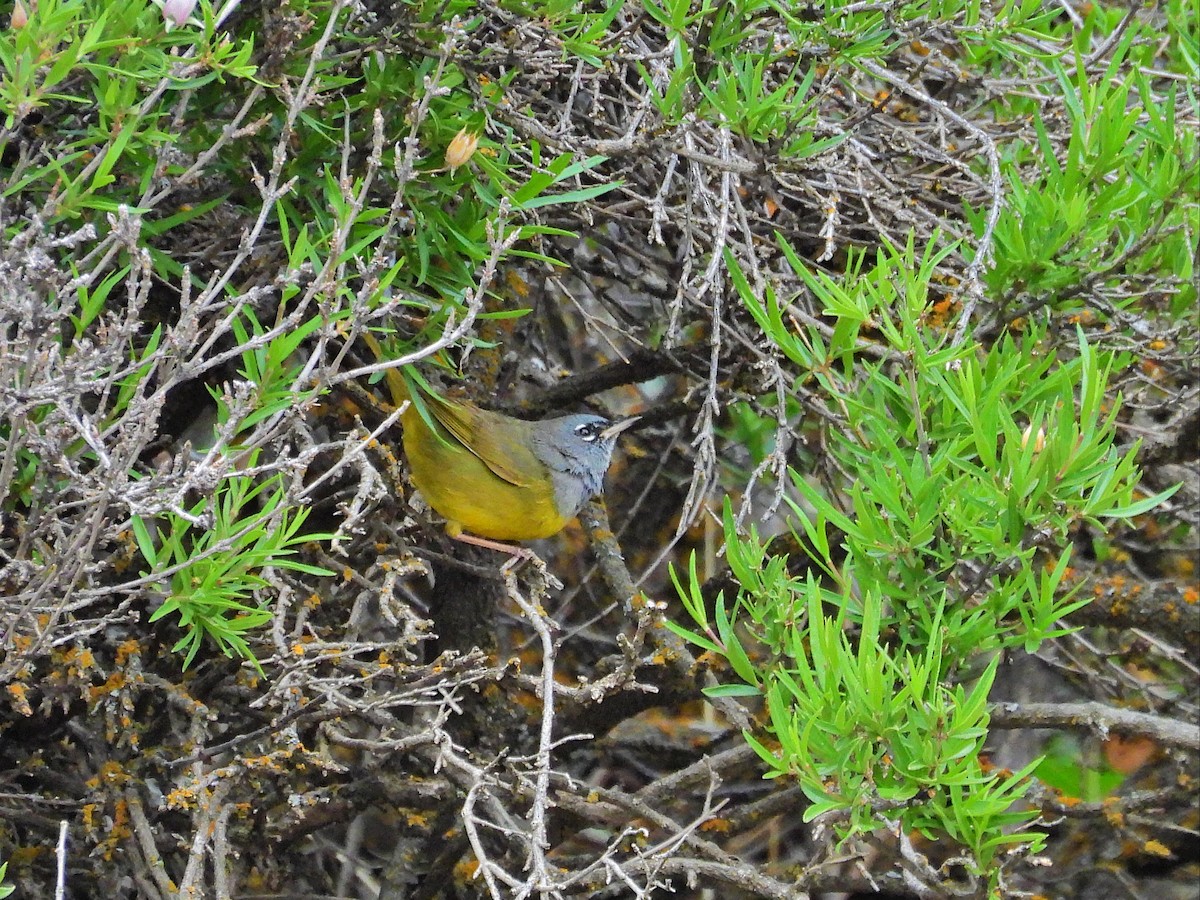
(497, 479)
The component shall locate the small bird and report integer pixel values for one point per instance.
(497, 478)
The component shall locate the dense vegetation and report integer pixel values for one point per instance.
(894, 591)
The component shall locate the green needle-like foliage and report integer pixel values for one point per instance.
(947, 544)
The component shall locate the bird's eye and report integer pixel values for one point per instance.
(589, 431)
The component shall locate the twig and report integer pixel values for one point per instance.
(1099, 718)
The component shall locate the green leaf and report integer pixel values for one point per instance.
(1138, 507)
(732, 690)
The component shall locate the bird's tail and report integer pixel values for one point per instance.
(397, 385)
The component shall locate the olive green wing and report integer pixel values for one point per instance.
(500, 442)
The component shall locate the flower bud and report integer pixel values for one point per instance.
(461, 149)
(19, 16)
(1039, 439)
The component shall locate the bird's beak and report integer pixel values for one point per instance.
(616, 428)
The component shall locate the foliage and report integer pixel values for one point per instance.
(139, 151)
(1064, 767)
(86, 67)
(918, 275)
(143, 113)
(215, 568)
(1113, 206)
(758, 81)
(965, 472)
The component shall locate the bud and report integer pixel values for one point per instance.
(1039, 439)
(461, 149)
(19, 16)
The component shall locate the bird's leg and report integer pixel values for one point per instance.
(517, 556)
(516, 551)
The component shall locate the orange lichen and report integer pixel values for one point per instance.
(119, 831)
(24, 856)
(518, 285)
(126, 650)
(940, 312)
(19, 694)
(1113, 813)
(466, 870)
(111, 685)
(181, 798)
(1157, 848)
(21, 642)
(112, 773)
